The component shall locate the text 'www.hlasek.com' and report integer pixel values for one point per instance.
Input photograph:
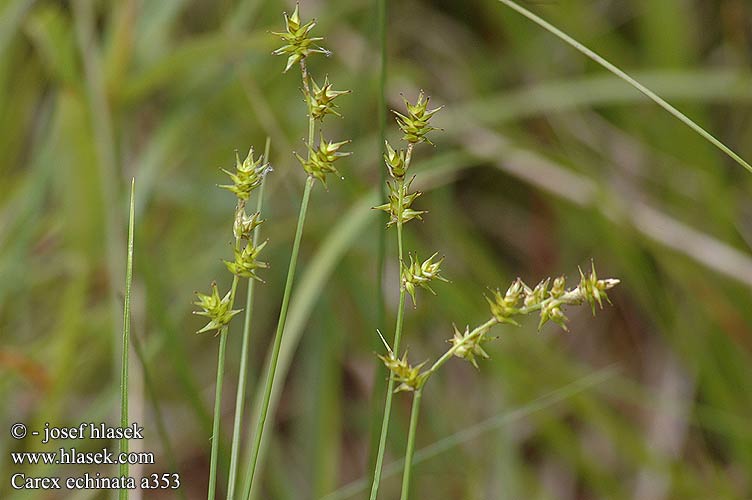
(88, 456)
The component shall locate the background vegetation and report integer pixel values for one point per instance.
(545, 161)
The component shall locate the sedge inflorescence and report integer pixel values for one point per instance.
(548, 299)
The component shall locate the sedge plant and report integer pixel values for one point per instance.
(415, 125)
(248, 175)
(247, 227)
(548, 298)
(318, 163)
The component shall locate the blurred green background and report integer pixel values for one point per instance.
(546, 161)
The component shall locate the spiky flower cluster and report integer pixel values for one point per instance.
(407, 376)
(246, 261)
(321, 100)
(298, 43)
(467, 344)
(244, 224)
(549, 302)
(420, 274)
(320, 161)
(415, 123)
(395, 162)
(218, 310)
(519, 299)
(399, 206)
(247, 176)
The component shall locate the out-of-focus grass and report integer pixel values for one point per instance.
(529, 122)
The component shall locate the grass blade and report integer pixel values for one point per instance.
(123, 494)
(270, 375)
(624, 76)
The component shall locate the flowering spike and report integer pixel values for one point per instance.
(217, 310)
(246, 262)
(244, 224)
(321, 160)
(504, 306)
(321, 99)
(247, 176)
(421, 274)
(400, 203)
(298, 43)
(415, 124)
(467, 345)
(408, 377)
(395, 162)
(594, 290)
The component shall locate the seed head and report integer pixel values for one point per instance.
(400, 202)
(421, 274)
(408, 377)
(217, 310)
(322, 99)
(551, 310)
(247, 176)
(298, 43)
(505, 306)
(244, 224)
(395, 162)
(321, 160)
(467, 345)
(536, 295)
(415, 124)
(246, 262)
(594, 290)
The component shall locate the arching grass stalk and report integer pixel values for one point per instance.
(243, 370)
(518, 300)
(319, 162)
(631, 81)
(123, 493)
(248, 175)
(398, 206)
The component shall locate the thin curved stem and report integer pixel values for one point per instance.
(217, 414)
(624, 76)
(417, 395)
(260, 425)
(243, 370)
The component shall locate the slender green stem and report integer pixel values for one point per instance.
(417, 396)
(260, 425)
(123, 494)
(269, 383)
(243, 371)
(218, 390)
(396, 345)
(217, 414)
(624, 76)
